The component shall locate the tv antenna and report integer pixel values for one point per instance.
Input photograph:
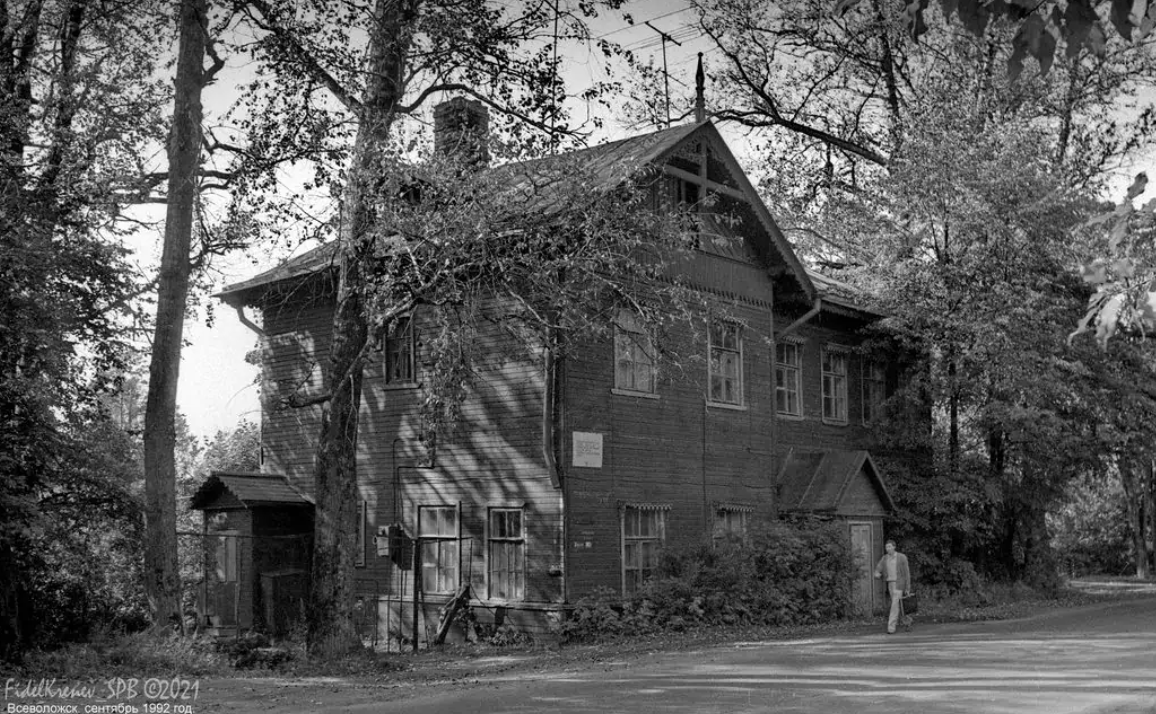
(665, 73)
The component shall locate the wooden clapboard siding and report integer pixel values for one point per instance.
(296, 343)
(493, 458)
(811, 432)
(674, 450)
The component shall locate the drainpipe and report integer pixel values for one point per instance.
(548, 395)
(247, 322)
(802, 320)
(806, 317)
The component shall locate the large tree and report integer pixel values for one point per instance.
(953, 190)
(73, 112)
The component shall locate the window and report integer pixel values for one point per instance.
(643, 533)
(633, 356)
(834, 386)
(787, 391)
(874, 389)
(359, 552)
(227, 557)
(686, 194)
(730, 523)
(726, 363)
(399, 352)
(438, 531)
(507, 554)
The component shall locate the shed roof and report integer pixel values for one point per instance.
(250, 489)
(816, 481)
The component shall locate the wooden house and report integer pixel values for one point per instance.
(567, 477)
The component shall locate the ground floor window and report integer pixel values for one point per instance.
(731, 523)
(506, 554)
(643, 535)
(438, 533)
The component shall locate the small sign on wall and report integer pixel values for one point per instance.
(588, 449)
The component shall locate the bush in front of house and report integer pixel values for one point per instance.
(787, 573)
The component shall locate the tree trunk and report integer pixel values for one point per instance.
(953, 420)
(330, 619)
(1133, 500)
(161, 572)
(1150, 541)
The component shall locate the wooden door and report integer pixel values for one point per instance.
(862, 550)
(224, 570)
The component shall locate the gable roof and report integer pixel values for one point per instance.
(250, 489)
(816, 481)
(609, 164)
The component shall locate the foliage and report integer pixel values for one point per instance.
(238, 450)
(957, 197)
(1041, 27)
(789, 573)
(1091, 529)
(138, 655)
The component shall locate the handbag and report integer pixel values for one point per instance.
(910, 604)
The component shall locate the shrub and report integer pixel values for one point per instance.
(787, 573)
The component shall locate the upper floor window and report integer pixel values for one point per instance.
(400, 365)
(725, 363)
(507, 554)
(643, 535)
(438, 532)
(834, 385)
(634, 368)
(788, 392)
(874, 389)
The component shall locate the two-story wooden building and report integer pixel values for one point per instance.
(570, 475)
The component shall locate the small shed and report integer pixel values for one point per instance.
(847, 486)
(258, 535)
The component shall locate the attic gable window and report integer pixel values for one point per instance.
(725, 363)
(834, 364)
(400, 367)
(634, 368)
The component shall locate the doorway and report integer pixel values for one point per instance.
(863, 584)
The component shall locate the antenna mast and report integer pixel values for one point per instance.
(554, 87)
(665, 73)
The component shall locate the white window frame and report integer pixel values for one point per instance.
(633, 354)
(509, 543)
(735, 352)
(726, 516)
(440, 548)
(834, 385)
(640, 549)
(874, 379)
(406, 349)
(791, 372)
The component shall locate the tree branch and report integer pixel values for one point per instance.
(268, 22)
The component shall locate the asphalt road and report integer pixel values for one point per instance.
(1094, 659)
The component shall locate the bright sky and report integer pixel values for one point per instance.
(218, 388)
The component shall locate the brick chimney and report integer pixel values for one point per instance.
(461, 128)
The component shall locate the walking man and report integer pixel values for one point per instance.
(893, 567)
